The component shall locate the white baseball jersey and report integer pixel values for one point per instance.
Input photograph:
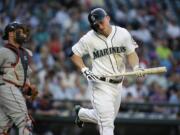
(107, 54)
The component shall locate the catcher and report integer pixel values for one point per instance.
(14, 82)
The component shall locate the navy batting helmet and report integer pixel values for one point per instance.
(95, 16)
(13, 27)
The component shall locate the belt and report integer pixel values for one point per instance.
(2, 84)
(110, 80)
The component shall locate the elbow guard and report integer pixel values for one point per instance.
(70, 53)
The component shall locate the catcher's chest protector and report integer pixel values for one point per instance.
(16, 73)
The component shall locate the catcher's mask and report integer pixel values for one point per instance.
(95, 16)
(16, 27)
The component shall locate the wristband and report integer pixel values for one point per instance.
(84, 69)
(135, 67)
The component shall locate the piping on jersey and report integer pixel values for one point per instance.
(112, 46)
(107, 48)
(123, 49)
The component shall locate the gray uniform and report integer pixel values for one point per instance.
(13, 108)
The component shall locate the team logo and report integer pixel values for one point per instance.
(93, 18)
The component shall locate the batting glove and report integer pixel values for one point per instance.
(139, 71)
(88, 74)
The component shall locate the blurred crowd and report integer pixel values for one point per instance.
(57, 24)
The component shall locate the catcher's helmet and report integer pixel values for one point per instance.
(95, 16)
(12, 27)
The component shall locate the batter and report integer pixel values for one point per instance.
(108, 46)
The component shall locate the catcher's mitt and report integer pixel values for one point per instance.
(31, 91)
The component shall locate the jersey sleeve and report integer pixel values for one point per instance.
(3, 53)
(80, 48)
(130, 44)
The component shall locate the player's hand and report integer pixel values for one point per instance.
(88, 74)
(139, 71)
(31, 91)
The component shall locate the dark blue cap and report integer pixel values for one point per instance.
(96, 15)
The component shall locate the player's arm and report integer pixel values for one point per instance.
(76, 54)
(78, 61)
(133, 60)
(132, 56)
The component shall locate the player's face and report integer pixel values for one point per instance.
(19, 36)
(103, 26)
(19, 31)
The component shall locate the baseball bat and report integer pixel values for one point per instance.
(146, 71)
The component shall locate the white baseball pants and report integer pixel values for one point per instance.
(106, 98)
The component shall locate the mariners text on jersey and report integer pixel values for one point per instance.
(107, 51)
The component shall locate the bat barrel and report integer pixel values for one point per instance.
(156, 70)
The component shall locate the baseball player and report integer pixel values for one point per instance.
(108, 46)
(14, 82)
